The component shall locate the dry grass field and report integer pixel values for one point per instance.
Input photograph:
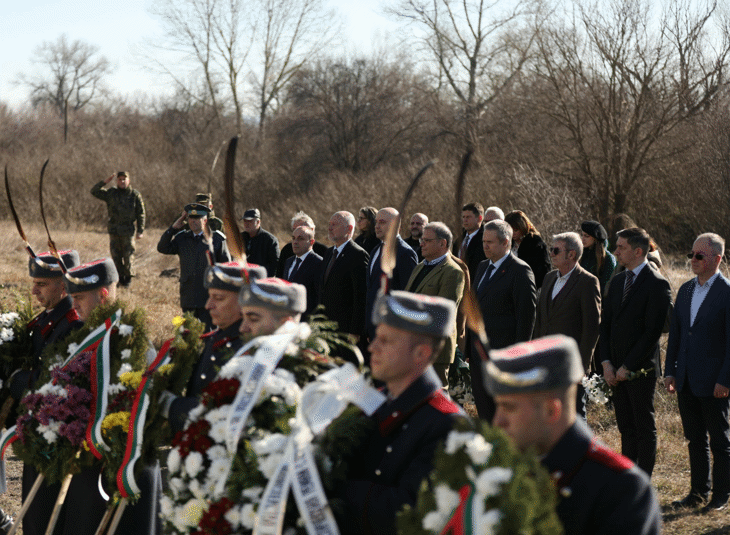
(159, 298)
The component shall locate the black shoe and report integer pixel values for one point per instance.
(717, 503)
(692, 500)
(6, 522)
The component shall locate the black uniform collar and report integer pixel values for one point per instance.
(392, 414)
(569, 452)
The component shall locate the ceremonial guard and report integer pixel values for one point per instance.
(601, 492)
(268, 303)
(223, 282)
(52, 325)
(91, 285)
(192, 247)
(387, 470)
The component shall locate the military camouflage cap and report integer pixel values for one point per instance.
(45, 265)
(544, 364)
(197, 210)
(202, 197)
(274, 294)
(421, 314)
(91, 276)
(123, 173)
(231, 276)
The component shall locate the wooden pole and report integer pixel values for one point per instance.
(26, 503)
(118, 516)
(105, 520)
(59, 503)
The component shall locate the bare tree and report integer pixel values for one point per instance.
(619, 84)
(243, 48)
(362, 113)
(478, 48)
(76, 73)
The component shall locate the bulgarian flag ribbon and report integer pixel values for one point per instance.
(93, 339)
(7, 438)
(461, 519)
(126, 482)
(99, 376)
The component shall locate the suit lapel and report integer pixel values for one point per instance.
(430, 275)
(566, 289)
(709, 302)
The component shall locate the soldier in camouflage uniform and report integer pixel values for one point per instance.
(126, 208)
(206, 199)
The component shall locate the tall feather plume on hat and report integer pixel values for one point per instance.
(15, 216)
(51, 243)
(388, 252)
(470, 305)
(233, 233)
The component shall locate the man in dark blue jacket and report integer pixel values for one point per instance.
(698, 370)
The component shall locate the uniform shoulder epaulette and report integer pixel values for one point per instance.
(207, 335)
(72, 315)
(443, 404)
(608, 458)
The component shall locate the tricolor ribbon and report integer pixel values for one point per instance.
(322, 401)
(126, 482)
(99, 376)
(462, 520)
(7, 438)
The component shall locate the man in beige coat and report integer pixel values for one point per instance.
(570, 301)
(439, 275)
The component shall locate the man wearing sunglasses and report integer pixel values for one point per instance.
(632, 320)
(570, 302)
(698, 370)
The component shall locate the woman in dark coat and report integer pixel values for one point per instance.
(366, 224)
(596, 259)
(528, 245)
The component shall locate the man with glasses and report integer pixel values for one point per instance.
(698, 370)
(439, 275)
(633, 316)
(570, 302)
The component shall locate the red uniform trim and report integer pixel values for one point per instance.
(443, 404)
(72, 316)
(608, 458)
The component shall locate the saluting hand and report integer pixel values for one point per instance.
(178, 224)
(721, 391)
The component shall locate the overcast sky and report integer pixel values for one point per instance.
(120, 29)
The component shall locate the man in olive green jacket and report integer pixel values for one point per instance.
(126, 210)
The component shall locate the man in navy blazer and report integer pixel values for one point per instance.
(304, 266)
(633, 317)
(469, 247)
(698, 370)
(405, 260)
(505, 290)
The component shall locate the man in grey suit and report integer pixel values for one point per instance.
(570, 302)
(505, 290)
(441, 276)
(698, 370)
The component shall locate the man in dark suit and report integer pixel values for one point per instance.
(698, 369)
(299, 219)
(439, 275)
(469, 248)
(634, 313)
(305, 266)
(505, 290)
(570, 302)
(343, 286)
(405, 260)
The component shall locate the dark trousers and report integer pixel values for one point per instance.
(702, 416)
(633, 402)
(482, 399)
